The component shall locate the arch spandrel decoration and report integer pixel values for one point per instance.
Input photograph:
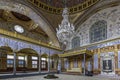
(6, 48)
(43, 50)
(22, 9)
(18, 45)
(44, 55)
(27, 51)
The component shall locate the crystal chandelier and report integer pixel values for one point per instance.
(65, 29)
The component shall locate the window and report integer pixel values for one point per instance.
(21, 57)
(21, 61)
(10, 63)
(43, 64)
(10, 60)
(34, 58)
(98, 31)
(10, 57)
(34, 62)
(43, 59)
(75, 42)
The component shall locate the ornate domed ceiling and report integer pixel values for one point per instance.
(56, 6)
(47, 13)
(61, 3)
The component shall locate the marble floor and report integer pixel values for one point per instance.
(63, 77)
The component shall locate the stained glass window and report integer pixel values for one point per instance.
(75, 42)
(98, 31)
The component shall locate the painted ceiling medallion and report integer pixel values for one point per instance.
(18, 28)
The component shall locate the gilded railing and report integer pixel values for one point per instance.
(75, 9)
(24, 38)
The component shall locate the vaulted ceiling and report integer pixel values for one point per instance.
(50, 12)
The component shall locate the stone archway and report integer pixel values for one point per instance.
(25, 10)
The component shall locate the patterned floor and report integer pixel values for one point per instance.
(63, 77)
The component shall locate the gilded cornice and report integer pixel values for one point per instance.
(74, 9)
(24, 38)
(77, 52)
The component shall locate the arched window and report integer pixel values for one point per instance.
(75, 42)
(98, 31)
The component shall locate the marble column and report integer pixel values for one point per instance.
(116, 57)
(59, 64)
(39, 63)
(84, 64)
(99, 65)
(14, 67)
(49, 62)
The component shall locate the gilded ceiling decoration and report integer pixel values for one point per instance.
(21, 16)
(56, 6)
(9, 19)
(61, 3)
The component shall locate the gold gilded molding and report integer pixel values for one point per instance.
(24, 38)
(77, 52)
(9, 17)
(75, 9)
